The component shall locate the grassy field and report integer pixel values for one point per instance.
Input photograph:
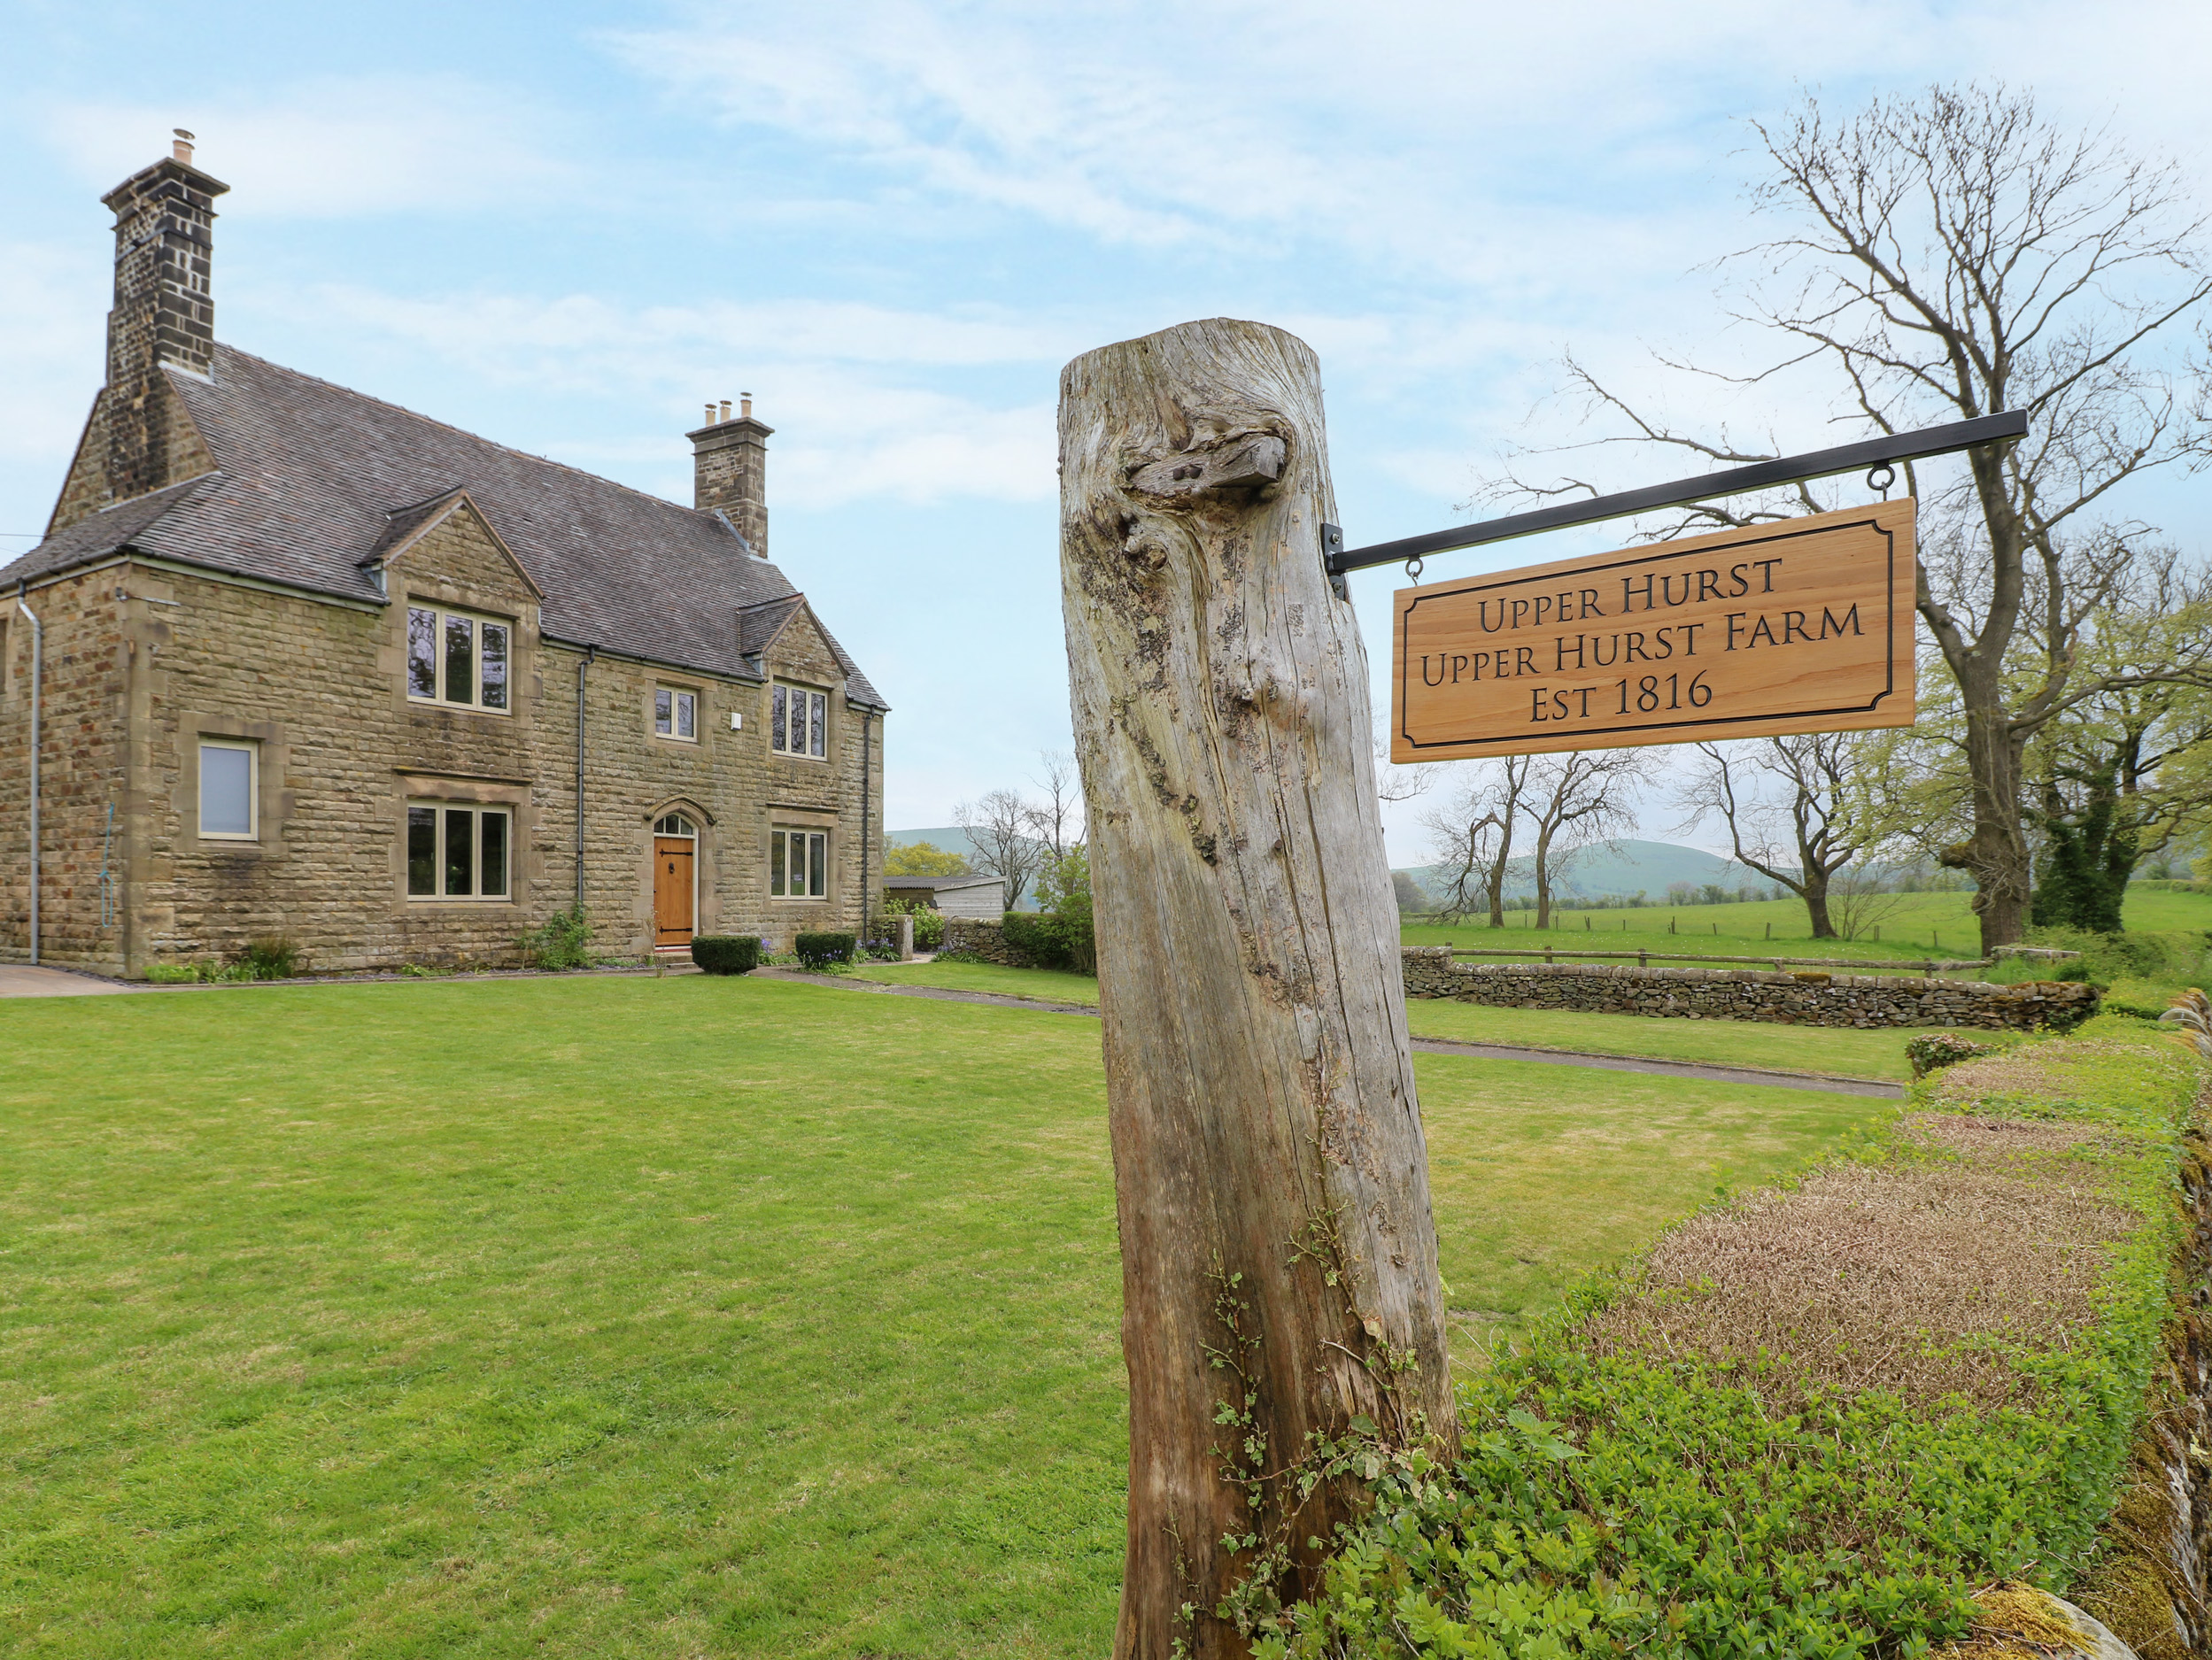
(1920, 925)
(1722, 1042)
(643, 1316)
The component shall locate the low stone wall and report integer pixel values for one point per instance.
(987, 940)
(1801, 998)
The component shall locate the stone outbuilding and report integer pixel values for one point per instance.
(295, 662)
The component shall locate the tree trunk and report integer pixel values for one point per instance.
(1996, 855)
(1279, 1259)
(1544, 878)
(1814, 893)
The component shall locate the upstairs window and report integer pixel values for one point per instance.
(676, 712)
(457, 658)
(798, 721)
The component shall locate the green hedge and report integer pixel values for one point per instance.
(1051, 941)
(1683, 1515)
(820, 950)
(726, 953)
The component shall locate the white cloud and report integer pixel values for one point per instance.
(334, 147)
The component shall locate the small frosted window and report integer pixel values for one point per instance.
(686, 707)
(818, 860)
(421, 653)
(495, 666)
(775, 701)
(664, 712)
(819, 704)
(226, 789)
(776, 864)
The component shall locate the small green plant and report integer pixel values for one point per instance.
(417, 971)
(1932, 1051)
(272, 958)
(172, 974)
(929, 922)
(563, 940)
(726, 953)
(821, 951)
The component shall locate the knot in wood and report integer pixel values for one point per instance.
(1243, 459)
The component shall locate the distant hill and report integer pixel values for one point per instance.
(1629, 867)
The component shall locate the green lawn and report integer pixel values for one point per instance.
(1841, 1051)
(1920, 925)
(1722, 1042)
(1051, 985)
(642, 1316)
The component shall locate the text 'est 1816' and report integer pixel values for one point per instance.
(1804, 625)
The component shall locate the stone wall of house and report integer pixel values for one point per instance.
(1802, 998)
(88, 665)
(133, 685)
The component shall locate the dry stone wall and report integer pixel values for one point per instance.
(987, 940)
(1804, 1000)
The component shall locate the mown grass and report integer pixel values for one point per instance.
(1920, 925)
(1839, 1051)
(643, 1316)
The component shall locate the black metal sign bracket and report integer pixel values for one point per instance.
(1873, 452)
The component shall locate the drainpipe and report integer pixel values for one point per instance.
(38, 655)
(590, 652)
(867, 765)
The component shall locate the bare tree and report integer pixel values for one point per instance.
(1791, 809)
(1581, 800)
(1858, 900)
(1473, 837)
(1951, 255)
(1057, 819)
(997, 824)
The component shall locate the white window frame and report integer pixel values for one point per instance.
(682, 699)
(815, 840)
(438, 810)
(478, 622)
(251, 749)
(811, 697)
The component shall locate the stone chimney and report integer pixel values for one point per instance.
(729, 469)
(165, 217)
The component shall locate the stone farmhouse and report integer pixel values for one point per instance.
(294, 663)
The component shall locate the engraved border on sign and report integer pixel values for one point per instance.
(1508, 579)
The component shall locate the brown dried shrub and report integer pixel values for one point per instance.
(1880, 1277)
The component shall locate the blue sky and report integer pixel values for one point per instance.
(569, 225)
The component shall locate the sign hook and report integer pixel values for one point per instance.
(1413, 569)
(1880, 476)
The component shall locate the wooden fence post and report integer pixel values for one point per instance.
(1282, 1313)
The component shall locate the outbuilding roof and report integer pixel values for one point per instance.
(312, 481)
(937, 883)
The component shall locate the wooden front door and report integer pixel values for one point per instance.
(672, 889)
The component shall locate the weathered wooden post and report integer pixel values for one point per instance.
(1281, 1298)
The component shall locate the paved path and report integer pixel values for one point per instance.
(22, 980)
(1876, 1088)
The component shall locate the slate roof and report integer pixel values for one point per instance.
(312, 480)
(935, 883)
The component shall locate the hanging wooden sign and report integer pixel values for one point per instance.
(1805, 625)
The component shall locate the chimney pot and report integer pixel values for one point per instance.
(725, 409)
(181, 150)
(710, 416)
(749, 407)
